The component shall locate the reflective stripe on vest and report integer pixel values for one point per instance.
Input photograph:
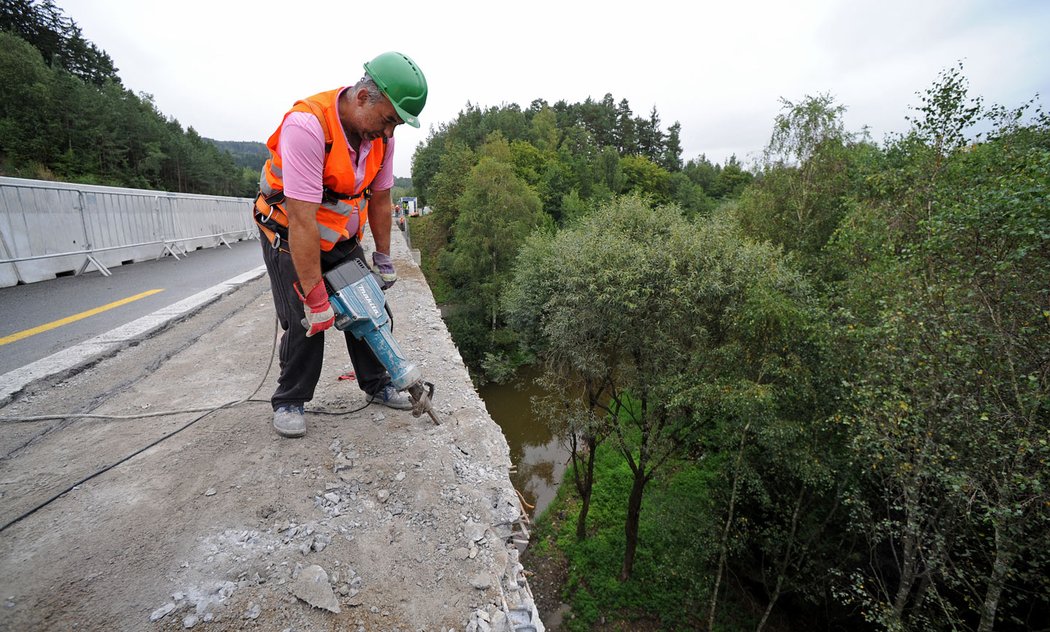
(338, 176)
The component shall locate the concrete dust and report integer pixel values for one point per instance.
(398, 524)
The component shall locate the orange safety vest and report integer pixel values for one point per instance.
(339, 202)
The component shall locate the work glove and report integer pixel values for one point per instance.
(383, 267)
(319, 314)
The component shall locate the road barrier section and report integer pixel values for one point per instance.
(50, 229)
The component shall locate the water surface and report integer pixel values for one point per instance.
(539, 455)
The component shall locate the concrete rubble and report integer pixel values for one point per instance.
(374, 521)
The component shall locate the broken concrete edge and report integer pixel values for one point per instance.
(511, 606)
(61, 364)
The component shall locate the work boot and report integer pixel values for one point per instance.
(391, 398)
(288, 420)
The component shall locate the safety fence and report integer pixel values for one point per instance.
(50, 229)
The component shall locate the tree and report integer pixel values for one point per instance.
(689, 195)
(626, 130)
(608, 325)
(544, 132)
(497, 211)
(608, 171)
(650, 136)
(731, 179)
(58, 38)
(797, 202)
(950, 410)
(599, 119)
(448, 183)
(634, 309)
(702, 173)
(56, 124)
(426, 161)
(529, 162)
(672, 149)
(577, 420)
(27, 81)
(643, 176)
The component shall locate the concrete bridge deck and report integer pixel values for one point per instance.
(380, 520)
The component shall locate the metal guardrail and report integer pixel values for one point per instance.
(48, 229)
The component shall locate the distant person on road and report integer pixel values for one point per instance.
(330, 171)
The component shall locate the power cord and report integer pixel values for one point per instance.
(206, 412)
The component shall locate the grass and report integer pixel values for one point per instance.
(673, 575)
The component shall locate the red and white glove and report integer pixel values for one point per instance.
(319, 314)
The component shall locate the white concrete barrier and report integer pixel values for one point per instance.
(49, 229)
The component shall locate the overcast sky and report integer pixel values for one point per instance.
(231, 68)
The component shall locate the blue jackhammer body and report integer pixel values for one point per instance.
(360, 307)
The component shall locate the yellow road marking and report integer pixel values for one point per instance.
(74, 318)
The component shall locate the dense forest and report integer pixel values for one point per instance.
(495, 175)
(246, 154)
(65, 115)
(810, 395)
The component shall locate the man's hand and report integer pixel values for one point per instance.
(383, 266)
(319, 314)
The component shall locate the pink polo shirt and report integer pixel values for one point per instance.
(302, 160)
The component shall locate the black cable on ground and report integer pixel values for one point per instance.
(169, 435)
(166, 413)
(107, 468)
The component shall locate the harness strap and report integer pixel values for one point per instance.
(268, 213)
(267, 206)
(263, 212)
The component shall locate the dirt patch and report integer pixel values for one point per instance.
(548, 573)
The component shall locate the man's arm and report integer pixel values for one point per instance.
(379, 219)
(303, 240)
(302, 149)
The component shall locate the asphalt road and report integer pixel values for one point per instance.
(138, 288)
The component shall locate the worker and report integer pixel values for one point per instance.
(330, 172)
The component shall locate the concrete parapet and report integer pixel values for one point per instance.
(375, 520)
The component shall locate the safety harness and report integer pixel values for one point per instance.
(270, 216)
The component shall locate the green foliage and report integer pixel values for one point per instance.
(862, 345)
(644, 177)
(446, 188)
(934, 264)
(574, 157)
(498, 211)
(544, 133)
(57, 126)
(58, 39)
(670, 584)
(800, 197)
(429, 236)
(572, 147)
(683, 333)
(951, 412)
(250, 155)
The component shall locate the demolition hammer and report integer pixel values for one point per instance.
(360, 306)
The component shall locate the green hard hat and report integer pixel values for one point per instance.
(401, 81)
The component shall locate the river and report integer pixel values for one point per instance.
(539, 456)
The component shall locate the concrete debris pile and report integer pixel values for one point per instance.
(374, 520)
